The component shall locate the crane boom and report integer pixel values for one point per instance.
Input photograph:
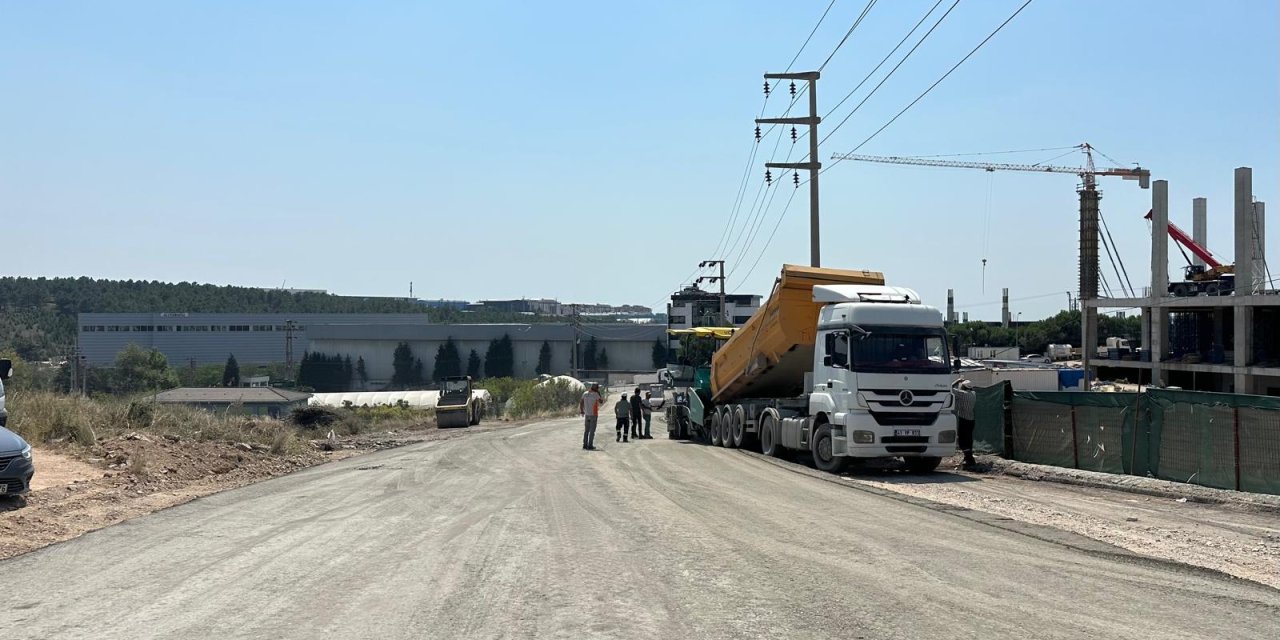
(1135, 173)
(1185, 240)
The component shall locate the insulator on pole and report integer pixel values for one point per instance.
(757, 133)
(768, 176)
(766, 87)
(793, 134)
(793, 88)
(795, 178)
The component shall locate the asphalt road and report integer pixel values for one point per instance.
(520, 533)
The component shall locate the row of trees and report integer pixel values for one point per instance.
(498, 362)
(1063, 328)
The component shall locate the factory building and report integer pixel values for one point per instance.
(193, 339)
(629, 346)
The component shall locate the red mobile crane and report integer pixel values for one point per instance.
(1212, 278)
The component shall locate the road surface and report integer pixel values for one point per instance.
(518, 533)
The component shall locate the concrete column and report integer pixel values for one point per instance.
(1244, 232)
(1004, 308)
(1260, 283)
(1160, 239)
(951, 305)
(1200, 225)
(1243, 345)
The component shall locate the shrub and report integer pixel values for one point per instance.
(314, 417)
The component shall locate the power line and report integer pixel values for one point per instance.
(815, 30)
(848, 33)
(746, 171)
(767, 242)
(890, 74)
(935, 84)
(883, 60)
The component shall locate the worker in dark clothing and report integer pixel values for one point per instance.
(647, 407)
(636, 413)
(622, 409)
(966, 402)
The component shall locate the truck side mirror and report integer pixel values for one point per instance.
(955, 365)
(828, 361)
(6, 368)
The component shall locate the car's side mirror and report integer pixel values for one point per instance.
(6, 368)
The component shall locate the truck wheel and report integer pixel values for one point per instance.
(922, 465)
(713, 425)
(726, 428)
(1181, 290)
(822, 458)
(1212, 289)
(769, 434)
(739, 424)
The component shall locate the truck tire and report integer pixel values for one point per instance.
(769, 434)
(822, 458)
(1181, 290)
(713, 426)
(738, 424)
(1212, 289)
(925, 464)
(726, 428)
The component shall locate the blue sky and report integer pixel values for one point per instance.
(593, 151)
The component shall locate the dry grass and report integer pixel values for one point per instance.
(42, 416)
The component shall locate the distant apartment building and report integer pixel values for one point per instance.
(692, 307)
(550, 307)
(456, 305)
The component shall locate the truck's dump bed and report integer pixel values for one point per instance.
(768, 356)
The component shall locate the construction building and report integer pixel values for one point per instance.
(1228, 342)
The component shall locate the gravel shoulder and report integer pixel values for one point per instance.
(1238, 536)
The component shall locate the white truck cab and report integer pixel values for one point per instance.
(882, 374)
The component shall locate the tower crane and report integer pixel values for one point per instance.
(1088, 190)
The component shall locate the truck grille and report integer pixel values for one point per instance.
(907, 449)
(5, 460)
(14, 486)
(904, 418)
(904, 440)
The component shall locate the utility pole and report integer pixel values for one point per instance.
(288, 347)
(724, 310)
(573, 355)
(812, 166)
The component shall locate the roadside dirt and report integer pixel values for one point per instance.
(1235, 539)
(78, 490)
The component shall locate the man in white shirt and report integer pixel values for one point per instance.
(589, 407)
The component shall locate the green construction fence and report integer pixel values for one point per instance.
(1227, 441)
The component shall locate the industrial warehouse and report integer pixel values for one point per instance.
(193, 339)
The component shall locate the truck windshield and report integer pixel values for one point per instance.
(888, 349)
(454, 386)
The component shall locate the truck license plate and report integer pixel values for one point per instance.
(906, 432)
(4, 488)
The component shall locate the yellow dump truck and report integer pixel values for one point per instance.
(838, 364)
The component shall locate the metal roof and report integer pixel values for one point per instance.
(217, 395)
